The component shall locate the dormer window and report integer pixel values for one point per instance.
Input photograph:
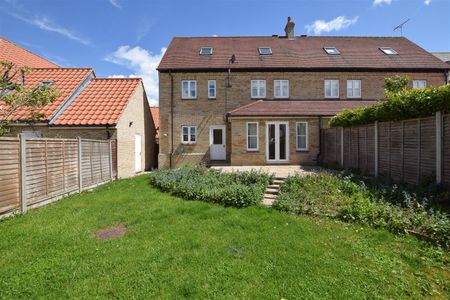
(206, 51)
(46, 83)
(388, 51)
(331, 50)
(265, 50)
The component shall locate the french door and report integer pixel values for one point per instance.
(277, 141)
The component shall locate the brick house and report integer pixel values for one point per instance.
(263, 100)
(88, 107)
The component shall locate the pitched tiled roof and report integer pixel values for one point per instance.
(22, 57)
(297, 107)
(66, 81)
(155, 115)
(100, 103)
(444, 56)
(301, 53)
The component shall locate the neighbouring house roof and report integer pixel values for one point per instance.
(22, 57)
(100, 103)
(155, 116)
(301, 53)
(266, 108)
(66, 81)
(444, 56)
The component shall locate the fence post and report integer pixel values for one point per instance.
(110, 161)
(80, 177)
(23, 173)
(438, 147)
(375, 140)
(342, 147)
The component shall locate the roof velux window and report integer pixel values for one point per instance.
(46, 83)
(265, 50)
(388, 51)
(206, 51)
(331, 50)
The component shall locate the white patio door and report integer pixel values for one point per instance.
(217, 144)
(277, 141)
(137, 153)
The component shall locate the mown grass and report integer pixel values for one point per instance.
(187, 249)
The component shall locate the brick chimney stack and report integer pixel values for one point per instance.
(289, 29)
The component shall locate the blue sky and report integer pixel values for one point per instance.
(127, 37)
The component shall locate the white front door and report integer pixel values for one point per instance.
(217, 145)
(137, 153)
(277, 141)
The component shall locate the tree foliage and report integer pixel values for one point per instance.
(14, 96)
(400, 104)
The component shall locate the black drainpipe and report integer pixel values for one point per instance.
(171, 118)
(320, 139)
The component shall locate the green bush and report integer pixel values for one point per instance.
(401, 105)
(239, 189)
(350, 199)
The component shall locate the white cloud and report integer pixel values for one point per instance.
(45, 24)
(427, 2)
(115, 3)
(336, 24)
(143, 63)
(381, 2)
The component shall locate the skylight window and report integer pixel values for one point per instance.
(265, 50)
(331, 50)
(206, 51)
(388, 51)
(46, 83)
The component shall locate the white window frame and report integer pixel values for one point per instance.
(189, 89)
(417, 84)
(258, 83)
(257, 136)
(189, 141)
(263, 54)
(210, 53)
(331, 90)
(297, 135)
(331, 50)
(209, 89)
(352, 81)
(388, 51)
(280, 81)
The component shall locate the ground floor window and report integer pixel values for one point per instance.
(252, 136)
(188, 134)
(302, 135)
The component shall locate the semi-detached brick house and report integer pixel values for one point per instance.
(88, 107)
(263, 100)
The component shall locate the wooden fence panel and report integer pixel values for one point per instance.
(428, 147)
(396, 148)
(354, 148)
(9, 174)
(384, 157)
(370, 155)
(446, 149)
(95, 162)
(411, 151)
(347, 148)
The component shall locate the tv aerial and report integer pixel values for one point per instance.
(401, 26)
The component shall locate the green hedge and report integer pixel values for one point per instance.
(239, 189)
(406, 104)
(350, 199)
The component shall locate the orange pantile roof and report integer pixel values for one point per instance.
(66, 80)
(100, 103)
(22, 57)
(155, 115)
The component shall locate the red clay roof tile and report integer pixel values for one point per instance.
(155, 116)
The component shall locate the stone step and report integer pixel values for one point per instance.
(267, 202)
(270, 196)
(272, 191)
(278, 181)
(273, 186)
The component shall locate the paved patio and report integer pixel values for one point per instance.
(279, 170)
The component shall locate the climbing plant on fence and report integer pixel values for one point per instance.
(399, 105)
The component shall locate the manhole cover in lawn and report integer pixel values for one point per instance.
(111, 232)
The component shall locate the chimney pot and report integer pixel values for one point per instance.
(289, 29)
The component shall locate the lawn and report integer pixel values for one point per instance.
(188, 249)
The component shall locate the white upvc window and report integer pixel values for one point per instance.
(353, 88)
(258, 88)
(281, 88)
(331, 88)
(419, 84)
(211, 89)
(252, 136)
(189, 89)
(188, 134)
(302, 136)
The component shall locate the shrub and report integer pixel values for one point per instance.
(239, 189)
(349, 199)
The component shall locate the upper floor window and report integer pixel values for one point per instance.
(419, 84)
(331, 88)
(281, 88)
(332, 50)
(189, 89)
(353, 88)
(258, 88)
(206, 51)
(302, 135)
(188, 134)
(211, 89)
(252, 136)
(265, 50)
(388, 51)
